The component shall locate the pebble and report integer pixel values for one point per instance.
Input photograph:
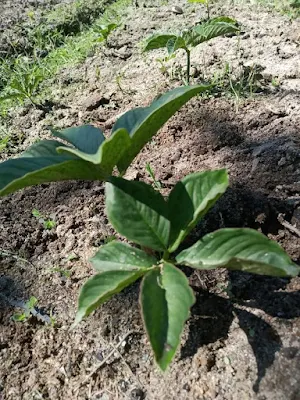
(137, 394)
(177, 10)
(282, 162)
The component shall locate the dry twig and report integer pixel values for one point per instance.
(104, 361)
(287, 225)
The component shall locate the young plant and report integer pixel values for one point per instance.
(143, 216)
(28, 310)
(47, 223)
(88, 155)
(192, 37)
(104, 31)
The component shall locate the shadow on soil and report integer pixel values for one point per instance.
(212, 316)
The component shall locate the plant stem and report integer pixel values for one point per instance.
(188, 66)
(166, 255)
(207, 8)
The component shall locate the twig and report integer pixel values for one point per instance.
(5, 253)
(97, 367)
(287, 225)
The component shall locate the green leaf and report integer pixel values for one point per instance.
(175, 44)
(50, 161)
(85, 138)
(210, 29)
(121, 256)
(138, 212)
(166, 298)
(108, 153)
(40, 164)
(143, 123)
(239, 249)
(101, 287)
(157, 41)
(190, 200)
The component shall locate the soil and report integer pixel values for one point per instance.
(242, 340)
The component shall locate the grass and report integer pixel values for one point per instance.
(74, 50)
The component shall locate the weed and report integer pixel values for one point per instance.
(157, 185)
(28, 309)
(47, 223)
(63, 272)
(104, 31)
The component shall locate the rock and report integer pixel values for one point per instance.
(177, 10)
(137, 394)
(94, 101)
(282, 162)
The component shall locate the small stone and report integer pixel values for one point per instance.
(137, 394)
(281, 162)
(177, 10)
(123, 385)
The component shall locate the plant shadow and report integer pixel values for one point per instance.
(212, 316)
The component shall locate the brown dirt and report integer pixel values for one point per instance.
(242, 340)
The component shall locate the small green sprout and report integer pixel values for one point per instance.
(48, 224)
(104, 31)
(29, 307)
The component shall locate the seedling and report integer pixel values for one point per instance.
(143, 216)
(47, 223)
(192, 37)
(104, 31)
(28, 310)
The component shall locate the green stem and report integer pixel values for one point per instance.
(166, 255)
(188, 66)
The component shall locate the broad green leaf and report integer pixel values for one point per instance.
(143, 123)
(101, 287)
(138, 212)
(108, 153)
(41, 164)
(86, 138)
(190, 200)
(210, 29)
(166, 299)
(121, 256)
(239, 249)
(157, 41)
(175, 44)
